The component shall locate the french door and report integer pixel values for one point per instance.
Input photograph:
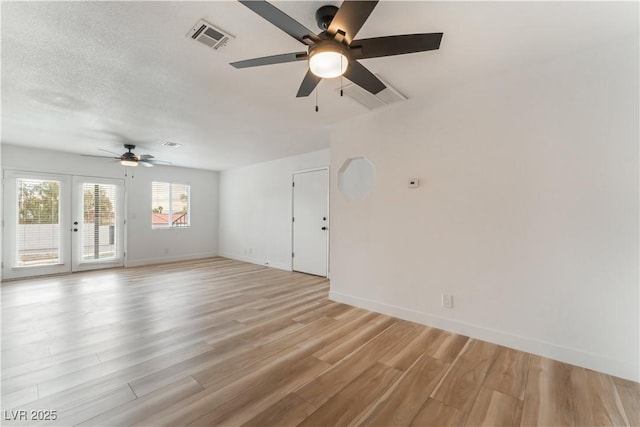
(97, 223)
(56, 223)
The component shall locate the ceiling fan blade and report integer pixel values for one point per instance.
(145, 157)
(145, 163)
(280, 19)
(394, 45)
(360, 75)
(110, 152)
(351, 17)
(268, 60)
(101, 157)
(309, 83)
(155, 162)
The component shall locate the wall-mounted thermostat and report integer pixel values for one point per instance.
(414, 182)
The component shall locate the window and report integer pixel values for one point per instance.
(169, 205)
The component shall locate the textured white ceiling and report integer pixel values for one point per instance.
(82, 76)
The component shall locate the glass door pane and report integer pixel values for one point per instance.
(99, 221)
(38, 222)
(36, 209)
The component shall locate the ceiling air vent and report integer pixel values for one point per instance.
(371, 101)
(209, 35)
(171, 144)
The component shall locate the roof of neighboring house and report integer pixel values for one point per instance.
(163, 218)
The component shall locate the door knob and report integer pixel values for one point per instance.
(324, 228)
(75, 229)
(75, 222)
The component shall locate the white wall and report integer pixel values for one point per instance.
(527, 213)
(144, 245)
(255, 209)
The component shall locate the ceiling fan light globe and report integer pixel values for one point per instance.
(328, 64)
(128, 162)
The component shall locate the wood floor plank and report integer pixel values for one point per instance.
(342, 347)
(48, 363)
(181, 336)
(49, 373)
(547, 399)
(235, 367)
(447, 346)
(409, 394)
(264, 392)
(508, 373)
(461, 384)
(134, 410)
(322, 388)
(124, 369)
(272, 381)
(590, 405)
(289, 411)
(70, 413)
(25, 354)
(223, 342)
(495, 409)
(319, 311)
(629, 393)
(348, 404)
(436, 413)
(406, 356)
(19, 397)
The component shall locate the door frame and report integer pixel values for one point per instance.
(323, 168)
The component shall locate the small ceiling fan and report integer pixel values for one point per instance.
(131, 159)
(335, 51)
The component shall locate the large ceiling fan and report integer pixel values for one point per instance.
(335, 51)
(131, 159)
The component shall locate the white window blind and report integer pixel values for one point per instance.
(38, 228)
(99, 222)
(169, 205)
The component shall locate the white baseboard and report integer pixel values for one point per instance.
(164, 259)
(596, 362)
(252, 260)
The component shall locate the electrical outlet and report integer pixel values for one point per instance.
(447, 301)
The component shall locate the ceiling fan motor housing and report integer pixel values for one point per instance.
(325, 15)
(329, 46)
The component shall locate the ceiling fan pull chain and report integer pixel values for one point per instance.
(341, 76)
(317, 100)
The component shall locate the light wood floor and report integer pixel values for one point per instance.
(221, 342)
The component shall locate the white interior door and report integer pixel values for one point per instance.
(97, 223)
(36, 224)
(311, 222)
